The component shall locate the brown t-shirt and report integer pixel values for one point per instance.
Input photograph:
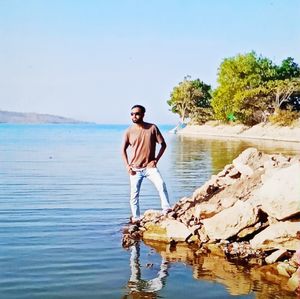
(143, 143)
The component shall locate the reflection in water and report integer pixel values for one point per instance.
(144, 288)
(238, 279)
(195, 159)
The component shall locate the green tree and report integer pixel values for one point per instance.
(236, 77)
(288, 69)
(188, 96)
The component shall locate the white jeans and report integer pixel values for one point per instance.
(154, 176)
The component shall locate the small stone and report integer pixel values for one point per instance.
(282, 269)
(234, 173)
(276, 256)
(294, 281)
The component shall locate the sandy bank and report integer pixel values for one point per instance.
(260, 131)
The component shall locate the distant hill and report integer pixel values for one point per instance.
(35, 118)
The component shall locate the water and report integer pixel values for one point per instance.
(64, 200)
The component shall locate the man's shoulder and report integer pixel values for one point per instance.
(129, 129)
(150, 126)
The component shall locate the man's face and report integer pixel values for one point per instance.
(137, 115)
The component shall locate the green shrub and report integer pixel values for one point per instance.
(201, 115)
(284, 117)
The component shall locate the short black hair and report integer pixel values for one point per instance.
(142, 108)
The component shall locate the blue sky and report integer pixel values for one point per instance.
(93, 60)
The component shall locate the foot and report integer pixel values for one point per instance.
(167, 211)
(135, 221)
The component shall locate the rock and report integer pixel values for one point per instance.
(225, 181)
(133, 228)
(166, 231)
(185, 206)
(276, 256)
(242, 190)
(297, 256)
(243, 169)
(281, 235)
(230, 221)
(294, 281)
(285, 269)
(202, 235)
(279, 195)
(205, 210)
(205, 190)
(228, 202)
(234, 173)
(249, 230)
(176, 230)
(155, 232)
(151, 215)
(227, 170)
(242, 161)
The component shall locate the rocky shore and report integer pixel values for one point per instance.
(249, 212)
(260, 131)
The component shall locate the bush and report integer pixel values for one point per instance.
(201, 115)
(284, 117)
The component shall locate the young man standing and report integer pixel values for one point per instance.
(142, 137)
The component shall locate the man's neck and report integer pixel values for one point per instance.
(140, 125)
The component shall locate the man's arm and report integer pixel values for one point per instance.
(162, 149)
(124, 154)
(125, 158)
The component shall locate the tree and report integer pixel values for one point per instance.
(188, 96)
(282, 91)
(288, 69)
(237, 78)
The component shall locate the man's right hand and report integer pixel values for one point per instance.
(130, 170)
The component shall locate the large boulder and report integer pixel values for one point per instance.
(166, 231)
(176, 230)
(279, 196)
(281, 235)
(155, 231)
(248, 161)
(231, 221)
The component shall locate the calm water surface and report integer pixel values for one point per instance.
(64, 200)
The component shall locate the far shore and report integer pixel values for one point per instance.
(260, 131)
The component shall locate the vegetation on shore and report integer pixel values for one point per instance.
(251, 89)
(35, 118)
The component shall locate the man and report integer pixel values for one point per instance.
(142, 137)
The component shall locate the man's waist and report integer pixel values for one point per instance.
(138, 168)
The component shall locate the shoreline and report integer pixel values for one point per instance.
(259, 132)
(248, 213)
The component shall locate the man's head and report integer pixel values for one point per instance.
(137, 114)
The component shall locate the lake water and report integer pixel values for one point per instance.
(64, 200)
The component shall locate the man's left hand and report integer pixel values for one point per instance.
(152, 164)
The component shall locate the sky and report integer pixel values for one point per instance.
(93, 60)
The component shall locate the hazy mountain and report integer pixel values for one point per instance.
(35, 118)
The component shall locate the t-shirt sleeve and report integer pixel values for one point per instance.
(159, 137)
(126, 138)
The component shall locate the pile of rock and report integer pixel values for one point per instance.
(251, 209)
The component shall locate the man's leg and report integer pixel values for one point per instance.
(154, 176)
(135, 186)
